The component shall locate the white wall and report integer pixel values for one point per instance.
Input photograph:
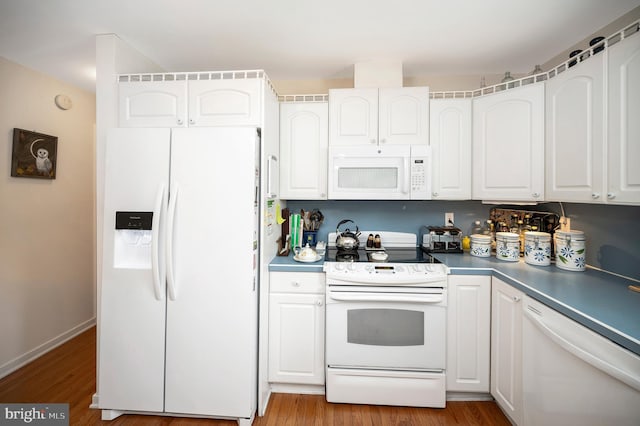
(47, 268)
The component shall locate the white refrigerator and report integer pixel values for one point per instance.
(178, 295)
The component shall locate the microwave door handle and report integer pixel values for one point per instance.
(407, 175)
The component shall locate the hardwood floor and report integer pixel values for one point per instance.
(67, 374)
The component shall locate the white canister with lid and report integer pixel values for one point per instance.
(480, 245)
(508, 246)
(537, 248)
(570, 250)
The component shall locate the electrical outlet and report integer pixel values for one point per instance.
(565, 224)
(448, 219)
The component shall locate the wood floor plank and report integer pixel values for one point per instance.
(67, 374)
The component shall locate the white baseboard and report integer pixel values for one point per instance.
(297, 388)
(469, 396)
(37, 352)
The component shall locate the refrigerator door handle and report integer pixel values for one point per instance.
(272, 162)
(158, 266)
(173, 202)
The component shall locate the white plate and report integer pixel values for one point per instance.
(298, 259)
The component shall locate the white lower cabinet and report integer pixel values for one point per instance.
(468, 333)
(506, 348)
(296, 328)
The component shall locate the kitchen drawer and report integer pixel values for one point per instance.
(297, 282)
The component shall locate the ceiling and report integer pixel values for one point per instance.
(301, 39)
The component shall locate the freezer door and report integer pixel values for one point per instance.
(132, 301)
(211, 353)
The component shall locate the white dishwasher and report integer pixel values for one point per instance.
(573, 376)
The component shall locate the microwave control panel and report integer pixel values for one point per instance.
(420, 179)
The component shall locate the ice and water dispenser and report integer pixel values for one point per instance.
(133, 238)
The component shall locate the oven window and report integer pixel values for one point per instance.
(368, 177)
(385, 327)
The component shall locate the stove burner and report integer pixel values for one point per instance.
(347, 256)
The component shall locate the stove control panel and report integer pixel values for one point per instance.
(385, 273)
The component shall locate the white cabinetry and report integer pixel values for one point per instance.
(152, 104)
(296, 328)
(181, 103)
(468, 333)
(303, 150)
(506, 348)
(450, 139)
(575, 144)
(379, 116)
(225, 102)
(624, 123)
(508, 145)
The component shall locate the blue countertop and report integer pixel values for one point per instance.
(600, 301)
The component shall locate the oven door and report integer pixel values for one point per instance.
(381, 329)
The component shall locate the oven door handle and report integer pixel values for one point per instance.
(386, 297)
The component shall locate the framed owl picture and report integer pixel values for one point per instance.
(34, 154)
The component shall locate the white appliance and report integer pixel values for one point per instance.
(573, 376)
(390, 172)
(178, 300)
(386, 328)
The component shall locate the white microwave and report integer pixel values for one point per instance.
(392, 172)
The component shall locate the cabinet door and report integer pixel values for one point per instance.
(403, 116)
(468, 333)
(303, 151)
(152, 104)
(296, 338)
(506, 348)
(574, 146)
(508, 145)
(624, 125)
(225, 102)
(353, 116)
(450, 139)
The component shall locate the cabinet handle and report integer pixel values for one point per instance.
(180, 121)
(322, 194)
(373, 141)
(383, 140)
(595, 195)
(611, 195)
(319, 302)
(435, 194)
(536, 195)
(192, 121)
(295, 283)
(516, 298)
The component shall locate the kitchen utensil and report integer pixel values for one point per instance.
(347, 240)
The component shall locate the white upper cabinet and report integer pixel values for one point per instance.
(379, 116)
(152, 104)
(450, 138)
(508, 145)
(575, 139)
(624, 122)
(225, 102)
(192, 103)
(303, 150)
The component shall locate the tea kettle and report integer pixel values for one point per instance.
(347, 240)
